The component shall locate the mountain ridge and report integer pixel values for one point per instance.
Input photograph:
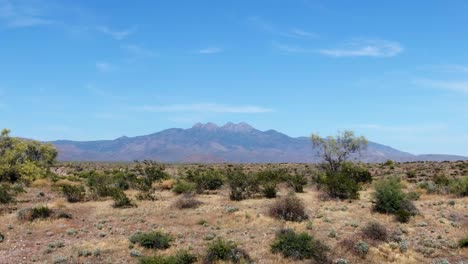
(210, 143)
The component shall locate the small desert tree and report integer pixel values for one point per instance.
(24, 160)
(335, 150)
(342, 177)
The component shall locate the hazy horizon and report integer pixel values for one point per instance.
(395, 72)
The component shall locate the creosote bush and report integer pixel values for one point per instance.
(183, 186)
(375, 231)
(241, 184)
(121, 200)
(205, 179)
(296, 182)
(222, 250)
(73, 193)
(289, 208)
(389, 198)
(180, 257)
(153, 239)
(299, 246)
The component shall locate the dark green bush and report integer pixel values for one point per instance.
(180, 257)
(121, 200)
(6, 195)
(225, 251)
(153, 239)
(389, 198)
(289, 208)
(340, 185)
(151, 170)
(411, 174)
(2, 237)
(269, 189)
(388, 195)
(183, 186)
(375, 231)
(31, 214)
(299, 246)
(459, 187)
(441, 180)
(242, 185)
(358, 173)
(463, 242)
(73, 193)
(206, 179)
(297, 182)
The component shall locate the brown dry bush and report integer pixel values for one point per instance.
(289, 208)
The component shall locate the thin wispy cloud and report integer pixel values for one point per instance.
(272, 29)
(138, 51)
(290, 48)
(205, 107)
(17, 14)
(103, 66)
(116, 34)
(210, 50)
(404, 128)
(457, 86)
(365, 48)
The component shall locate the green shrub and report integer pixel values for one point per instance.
(375, 231)
(299, 246)
(411, 174)
(389, 198)
(389, 163)
(206, 179)
(73, 193)
(6, 195)
(441, 180)
(242, 185)
(361, 248)
(269, 189)
(289, 208)
(459, 187)
(183, 186)
(225, 251)
(388, 195)
(297, 182)
(2, 237)
(358, 173)
(180, 257)
(463, 242)
(340, 185)
(121, 200)
(153, 239)
(31, 214)
(151, 170)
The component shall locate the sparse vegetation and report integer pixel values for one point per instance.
(187, 201)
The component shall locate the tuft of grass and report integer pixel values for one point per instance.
(299, 246)
(289, 208)
(153, 239)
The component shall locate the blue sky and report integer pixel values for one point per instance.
(394, 71)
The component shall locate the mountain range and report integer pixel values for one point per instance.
(210, 143)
